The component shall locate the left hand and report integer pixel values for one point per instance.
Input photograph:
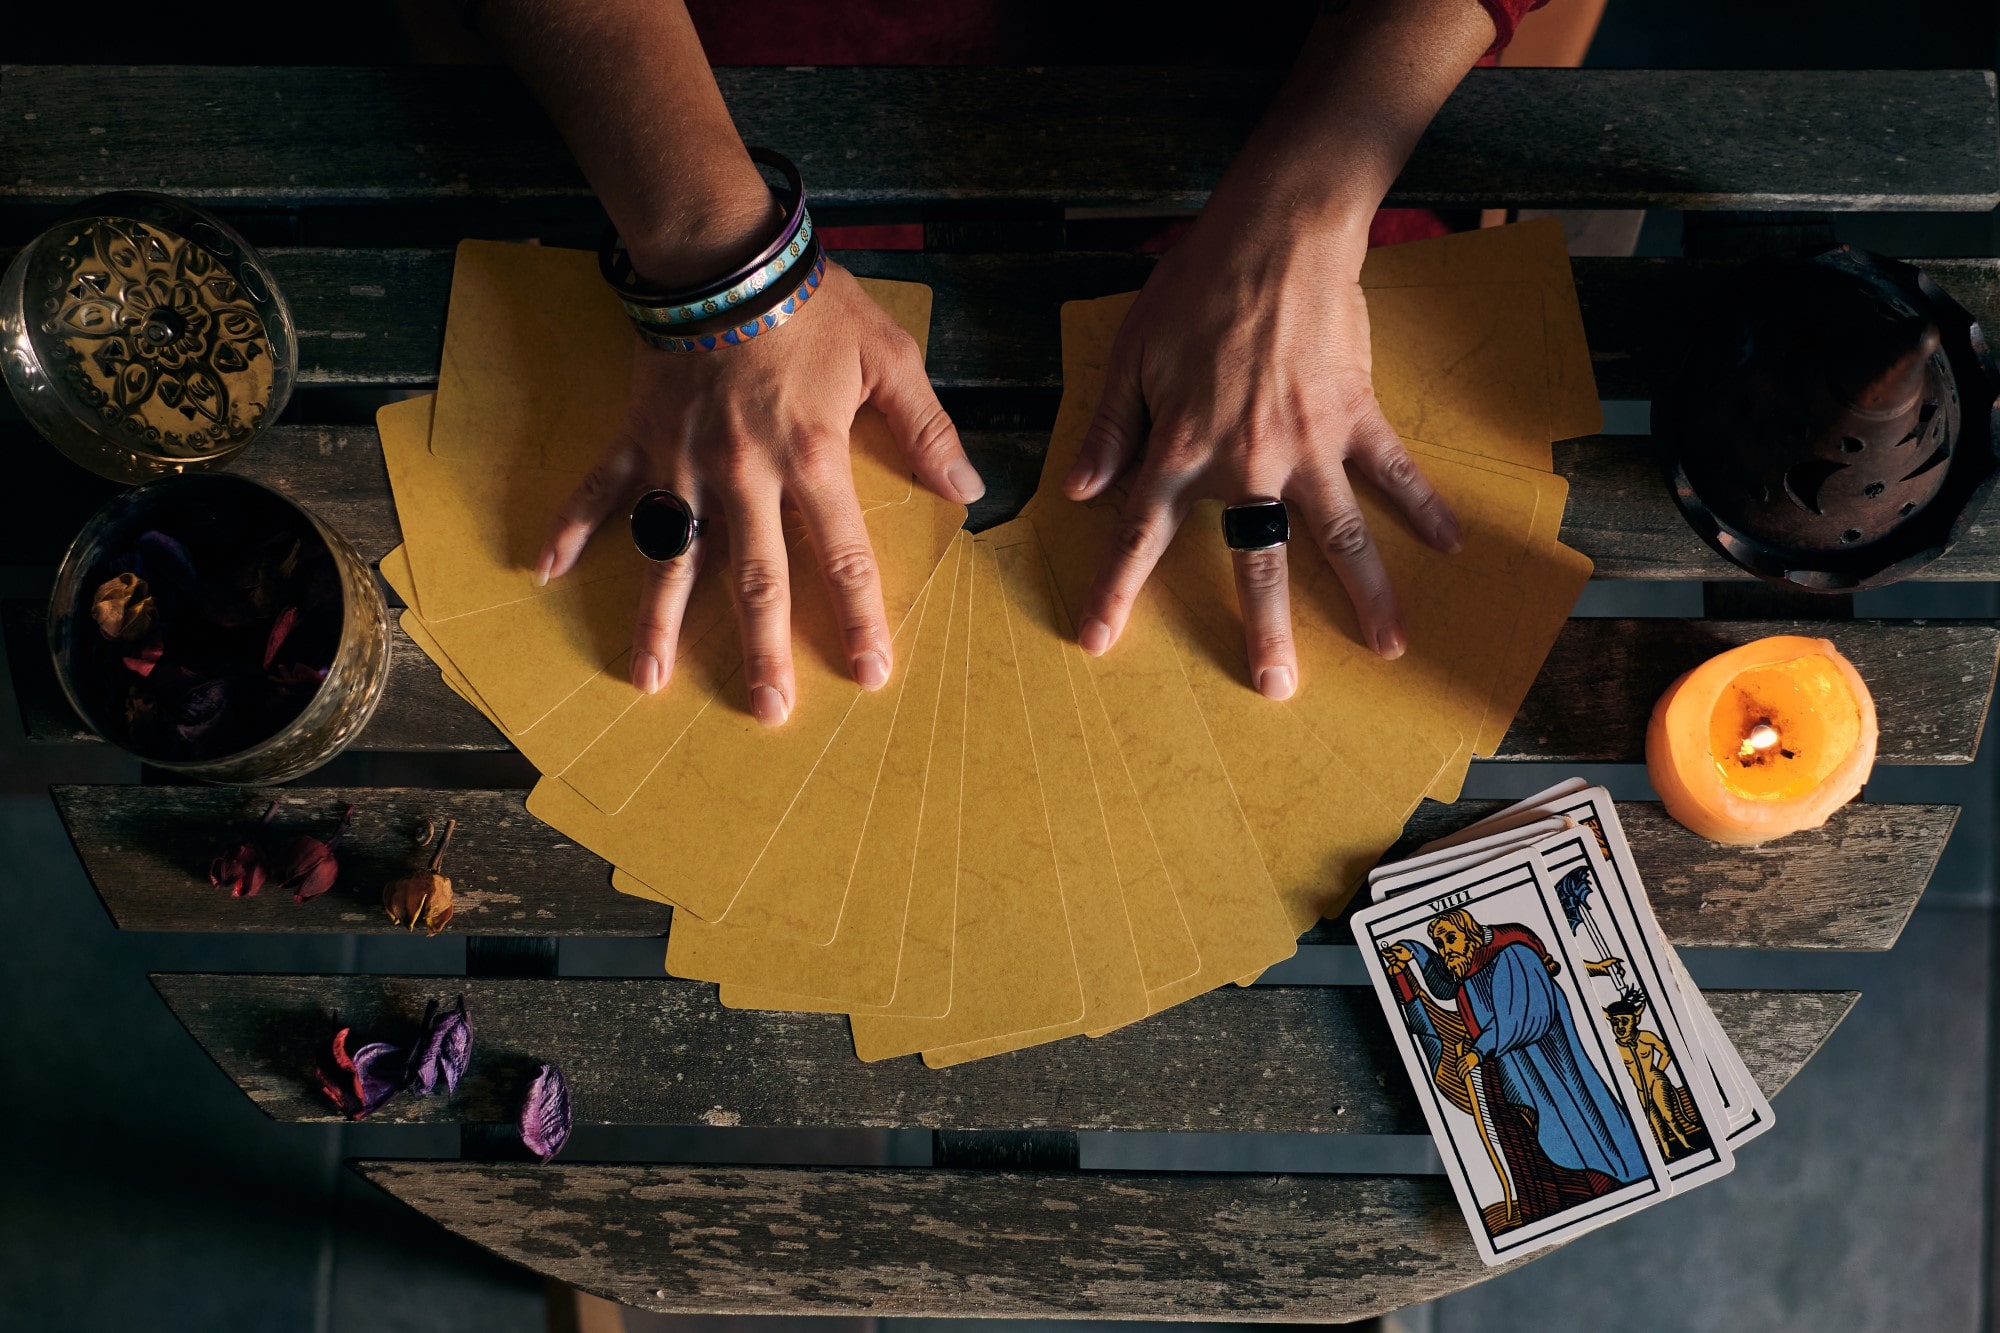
(1242, 373)
(1467, 1063)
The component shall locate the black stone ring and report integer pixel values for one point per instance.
(663, 525)
(1256, 526)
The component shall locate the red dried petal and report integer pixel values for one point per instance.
(280, 630)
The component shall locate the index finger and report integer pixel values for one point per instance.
(613, 483)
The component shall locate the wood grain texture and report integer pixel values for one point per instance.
(1850, 885)
(375, 317)
(1933, 682)
(664, 1052)
(1125, 137)
(148, 848)
(774, 1240)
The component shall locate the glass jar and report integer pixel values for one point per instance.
(232, 556)
(142, 336)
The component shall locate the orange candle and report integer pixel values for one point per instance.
(1763, 740)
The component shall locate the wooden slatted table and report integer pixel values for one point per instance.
(358, 181)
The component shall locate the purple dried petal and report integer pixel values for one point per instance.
(165, 561)
(545, 1115)
(280, 630)
(378, 1075)
(200, 707)
(445, 1052)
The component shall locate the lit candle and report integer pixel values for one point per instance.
(1763, 740)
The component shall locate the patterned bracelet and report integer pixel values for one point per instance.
(777, 305)
(653, 306)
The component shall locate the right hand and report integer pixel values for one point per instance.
(1397, 957)
(744, 432)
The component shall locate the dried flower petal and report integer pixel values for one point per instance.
(199, 707)
(241, 869)
(445, 1052)
(358, 1084)
(280, 629)
(165, 561)
(306, 865)
(145, 657)
(423, 898)
(546, 1116)
(123, 608)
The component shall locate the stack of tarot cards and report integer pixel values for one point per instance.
(1570, 1071)
(1011, 842)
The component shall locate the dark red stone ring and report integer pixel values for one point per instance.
(663, 525)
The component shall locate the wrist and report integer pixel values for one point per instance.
(705, 232)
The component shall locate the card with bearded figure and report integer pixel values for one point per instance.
(1541, 1131)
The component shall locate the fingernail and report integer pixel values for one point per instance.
(1448, 535)
(1391, 643)
(647, 673)
(544, 569)
(768, 706)
(964, 481)
(1081, 474)
(1095, 637)
(871, 671)
(1277, 683)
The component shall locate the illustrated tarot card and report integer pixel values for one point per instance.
(1636, 1000)
(1749, 1111)
(1429, 867)
(1541, 1131)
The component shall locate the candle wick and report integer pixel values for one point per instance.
(1762, 737)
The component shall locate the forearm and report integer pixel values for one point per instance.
(629, 88)
(1372, 75)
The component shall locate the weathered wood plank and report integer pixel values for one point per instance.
(1619, 512)
(375, 317)
(1588, 705)
(1124, 137)
(1850, 885)
(1052, 1245)
(1317, 1055)
(1847, 886)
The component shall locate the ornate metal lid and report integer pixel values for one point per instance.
(144, 336)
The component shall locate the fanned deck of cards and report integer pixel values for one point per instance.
(1012, 842)
(1570, 1071)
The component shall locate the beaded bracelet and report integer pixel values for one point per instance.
(648, 305)
(777, 305)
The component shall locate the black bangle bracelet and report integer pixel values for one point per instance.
(614, 261)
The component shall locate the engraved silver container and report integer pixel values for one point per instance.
(142, 336)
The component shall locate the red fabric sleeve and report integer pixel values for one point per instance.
(1506, 14)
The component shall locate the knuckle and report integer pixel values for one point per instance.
(1262, 571)
(1132, 538)
(760, 585)
(849, 567)
(1399, 470)
(1345, 535)
(764, 668)
(1270, 646)
(933, 435)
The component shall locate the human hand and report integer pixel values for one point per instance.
(744, 432)
(1242, 373)
(1467, 1063)
(1396, 957)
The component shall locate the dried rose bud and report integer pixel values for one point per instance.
(241, 869)
(445, 1052)
(306, 865)
(422, 899)
(357, 1084)
(546, 1116)
(123, 608)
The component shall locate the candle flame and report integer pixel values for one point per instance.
(1762, 737)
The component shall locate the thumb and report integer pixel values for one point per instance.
(897, 385)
